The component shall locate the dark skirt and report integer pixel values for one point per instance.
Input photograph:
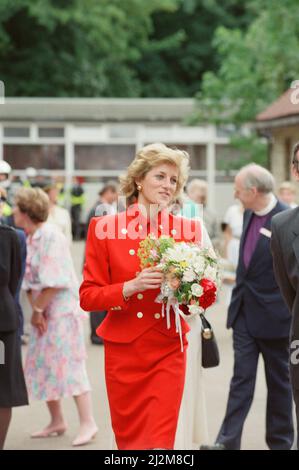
(12, 383)
(145, 381)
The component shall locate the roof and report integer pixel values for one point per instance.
(96, 109)
(285, 105)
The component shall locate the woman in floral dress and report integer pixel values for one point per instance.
(55, 363)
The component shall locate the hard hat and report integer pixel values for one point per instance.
(5, 168)
(31, 172)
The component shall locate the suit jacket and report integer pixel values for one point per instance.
(111, 259)
(285, 250)
(10, 273)
(256, 293)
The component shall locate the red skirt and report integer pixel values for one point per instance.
(145, 381)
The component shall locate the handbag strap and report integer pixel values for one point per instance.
(205, 325)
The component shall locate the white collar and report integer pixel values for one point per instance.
(272, 203)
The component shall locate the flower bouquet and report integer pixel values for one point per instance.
(191, 275)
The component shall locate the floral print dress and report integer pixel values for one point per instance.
(55, 362)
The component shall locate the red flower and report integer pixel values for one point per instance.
(209, 293)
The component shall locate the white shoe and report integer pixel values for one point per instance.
(85, 437)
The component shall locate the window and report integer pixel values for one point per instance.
(122, 132)
(51, 132)
(16, 131)
(49, 157)
(228, 161)
(103, 157)
(197, 154)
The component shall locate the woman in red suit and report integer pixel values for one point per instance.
(144, 364)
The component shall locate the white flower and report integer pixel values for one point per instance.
(177, 253)
(211, 253)
(195, 309)
(211, 273)
(189, 275)
(198, 265)
(196, 290)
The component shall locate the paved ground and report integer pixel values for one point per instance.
(33, 417)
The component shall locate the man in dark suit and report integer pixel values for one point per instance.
(259, 318)
(285, 251)
(22, 240)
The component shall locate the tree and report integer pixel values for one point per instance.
(74, 47)
(111, 47)
(180, 49)
(250, 149)
(256, 66)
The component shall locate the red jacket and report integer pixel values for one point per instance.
(111, 259)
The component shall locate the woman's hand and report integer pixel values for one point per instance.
(148, 278)
(39, 321)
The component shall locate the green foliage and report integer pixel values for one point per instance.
(151, 249)
(126, 48)
(181, 48)
(183, 293)
(255, 66)
(251, 149)
(74, 47)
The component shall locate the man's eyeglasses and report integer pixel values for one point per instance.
(3, 199)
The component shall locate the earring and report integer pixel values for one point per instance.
(139, 187)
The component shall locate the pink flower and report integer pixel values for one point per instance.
(154, 253)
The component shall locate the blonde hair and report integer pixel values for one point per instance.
(287, 185)
(149, 157)
(198, 184)
(34, 202)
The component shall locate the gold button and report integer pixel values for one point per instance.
(157, 316)
(139, 296)
(132, 252)
(139, 314)
(140, 227)
(124, 231)
(161, 227)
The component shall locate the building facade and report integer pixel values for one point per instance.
(96, 139)
(280, 124)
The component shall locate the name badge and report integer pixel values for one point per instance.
(266, 232)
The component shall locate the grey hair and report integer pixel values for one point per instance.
(197, 184)
(256, 176)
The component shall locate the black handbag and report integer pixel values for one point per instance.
(209, 348)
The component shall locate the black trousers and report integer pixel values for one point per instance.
(12, 383)
(275, 353)
(76, 216)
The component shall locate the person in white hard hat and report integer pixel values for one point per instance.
(30, 176)
(5, 182)
(5, 174)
